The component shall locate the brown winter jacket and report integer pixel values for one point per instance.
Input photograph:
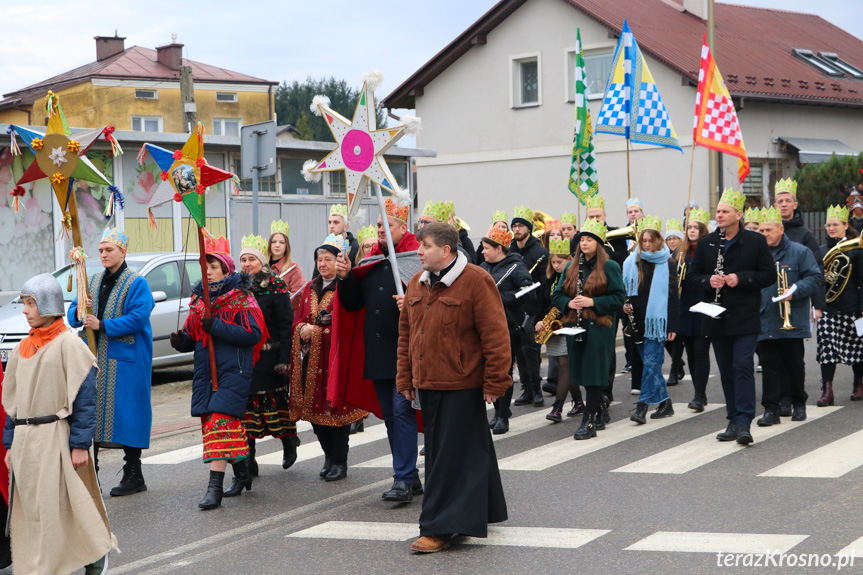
(453, 335)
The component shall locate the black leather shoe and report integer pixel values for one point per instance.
(417, 487)
(326, 468)
(242, 480)
(493, 421)
(664, 410)
(681, 372)
(770, 418)
(550, 388)
(743, 436)
(730, 433)
(640, 413)
(525, 398)
(785, 407)
(132, 482)
(289, 450)
(213, 498)
(358, 427)
(337, 471)
(799, 413)
(400, 491)
(501, 427)
(538, 399)
(672, 378)
(698, 402)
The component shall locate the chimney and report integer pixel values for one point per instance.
(170, 55)
(696, 8)
(107, 46)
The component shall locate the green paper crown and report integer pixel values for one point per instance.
(673, 225)
(523, 213)
(699, 215)
(595, 227)
(649, 223)
(254, 243)
(569, 218)
(596, 202)
(752, 216)
(367, 233)
(439, 211)
(837, 213)
(558, 247)
(734, 199)
(770, 216)
(280, 227)
(786, 186)
(499, 216)
(339, 210)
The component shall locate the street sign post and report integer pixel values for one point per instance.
(258, 158)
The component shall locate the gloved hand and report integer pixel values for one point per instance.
(177, 340)
(281, 368)
(207, 323)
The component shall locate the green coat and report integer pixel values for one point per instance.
(590, 359)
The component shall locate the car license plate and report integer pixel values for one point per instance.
(4, 355)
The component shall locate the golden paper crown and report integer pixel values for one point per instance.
(673, 225)
(439, 211)
(217, 245)
(553, 225)
(734, 199)
(596, 202)
(786, 186)
(752, 216)
(699, 215)
(254, 243)
(649, 223)
(339, 210)
(596, 228)
(499, 216)
(837, 213)
(499, 236)
(397, 211)
(116, 237)
(280, 227)
(558, 247)
(569, 218)
(770, 216)
(523, 213)
(368, 232)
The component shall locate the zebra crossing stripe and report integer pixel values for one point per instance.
(312, 449)
(694, 542)
(831, 461)
(706, 449)
(555, 453)
(536, 537)
(855, 549)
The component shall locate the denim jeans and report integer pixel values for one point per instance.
(653, 390)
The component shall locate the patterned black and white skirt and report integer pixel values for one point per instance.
(556, 346)
(838, 341)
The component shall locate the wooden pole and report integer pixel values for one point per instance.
(76, 240)
(206, 289)
(691, 166)
(628, 183)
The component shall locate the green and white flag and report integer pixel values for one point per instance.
(583, 177)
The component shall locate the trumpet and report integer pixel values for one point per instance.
(784, 306)
(552, 323)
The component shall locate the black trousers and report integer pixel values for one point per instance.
(612, 367)
(528, 360)
(675, 352)
(698, 355)
(782, 372)
(502, 403)
(593, 396)
(734, 358)
(334, 442)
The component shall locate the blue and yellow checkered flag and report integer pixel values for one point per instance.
(632, 106)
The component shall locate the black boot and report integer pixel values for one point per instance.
(213, 498)
(251, 462)
(538, 399)
(289, 450)
(501, 426)
(493, 421)
(242, 480)
(326, 468)
(358, 426)
(526, 396)
(550, 387)
(664, 410)
(602, 416)
(337, 471)
(730, 433)
(556, 413)
(640, 414)
(133, 480)
(698, 402)
(587, 429)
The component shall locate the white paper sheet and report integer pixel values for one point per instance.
(708, 309)
(526, 290)
(858, 323)
(568, 331)
(788, 293)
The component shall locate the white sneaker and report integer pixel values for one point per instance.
(635, 392)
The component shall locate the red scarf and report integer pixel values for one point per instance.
(232, 307)
(408, 243)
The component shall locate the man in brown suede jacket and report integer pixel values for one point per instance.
(454, 349)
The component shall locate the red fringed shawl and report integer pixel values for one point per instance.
(235, 308)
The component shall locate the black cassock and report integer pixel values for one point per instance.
(463, 490)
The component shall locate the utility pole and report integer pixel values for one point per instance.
(713, 178)
(187, 97)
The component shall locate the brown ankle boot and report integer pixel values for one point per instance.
(857, 394)
(826, 394)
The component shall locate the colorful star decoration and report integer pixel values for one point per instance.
(360, 147)
(185, 176)
(58, 156)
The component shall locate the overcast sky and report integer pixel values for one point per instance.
(273, 39)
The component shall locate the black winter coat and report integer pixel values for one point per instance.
(466, 245)
(274, 299)
(850, 301)
(749, 257)
(515, 308)
(796, 231)
(530, 254)
(639, 302)
(690, 322)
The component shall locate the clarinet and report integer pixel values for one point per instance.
(720, 263)
(579, 292)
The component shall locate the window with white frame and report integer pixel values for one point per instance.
(147, 94)
(526, 72)
(597, 67)
(146, 123)
(226, 97)
(266, 184)
(227, 126)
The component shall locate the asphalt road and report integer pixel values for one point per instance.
(659, 498)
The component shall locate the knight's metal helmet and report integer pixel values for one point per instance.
(46, 290)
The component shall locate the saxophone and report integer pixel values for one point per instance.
(720, 263)
(552, 323)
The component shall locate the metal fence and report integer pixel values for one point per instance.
(815, 222)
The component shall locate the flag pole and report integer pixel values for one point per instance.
(578, 196)
(391, 250)
(205, 286)
(628, 183)
(691, 166)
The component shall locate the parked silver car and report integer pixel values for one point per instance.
(171, 277)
